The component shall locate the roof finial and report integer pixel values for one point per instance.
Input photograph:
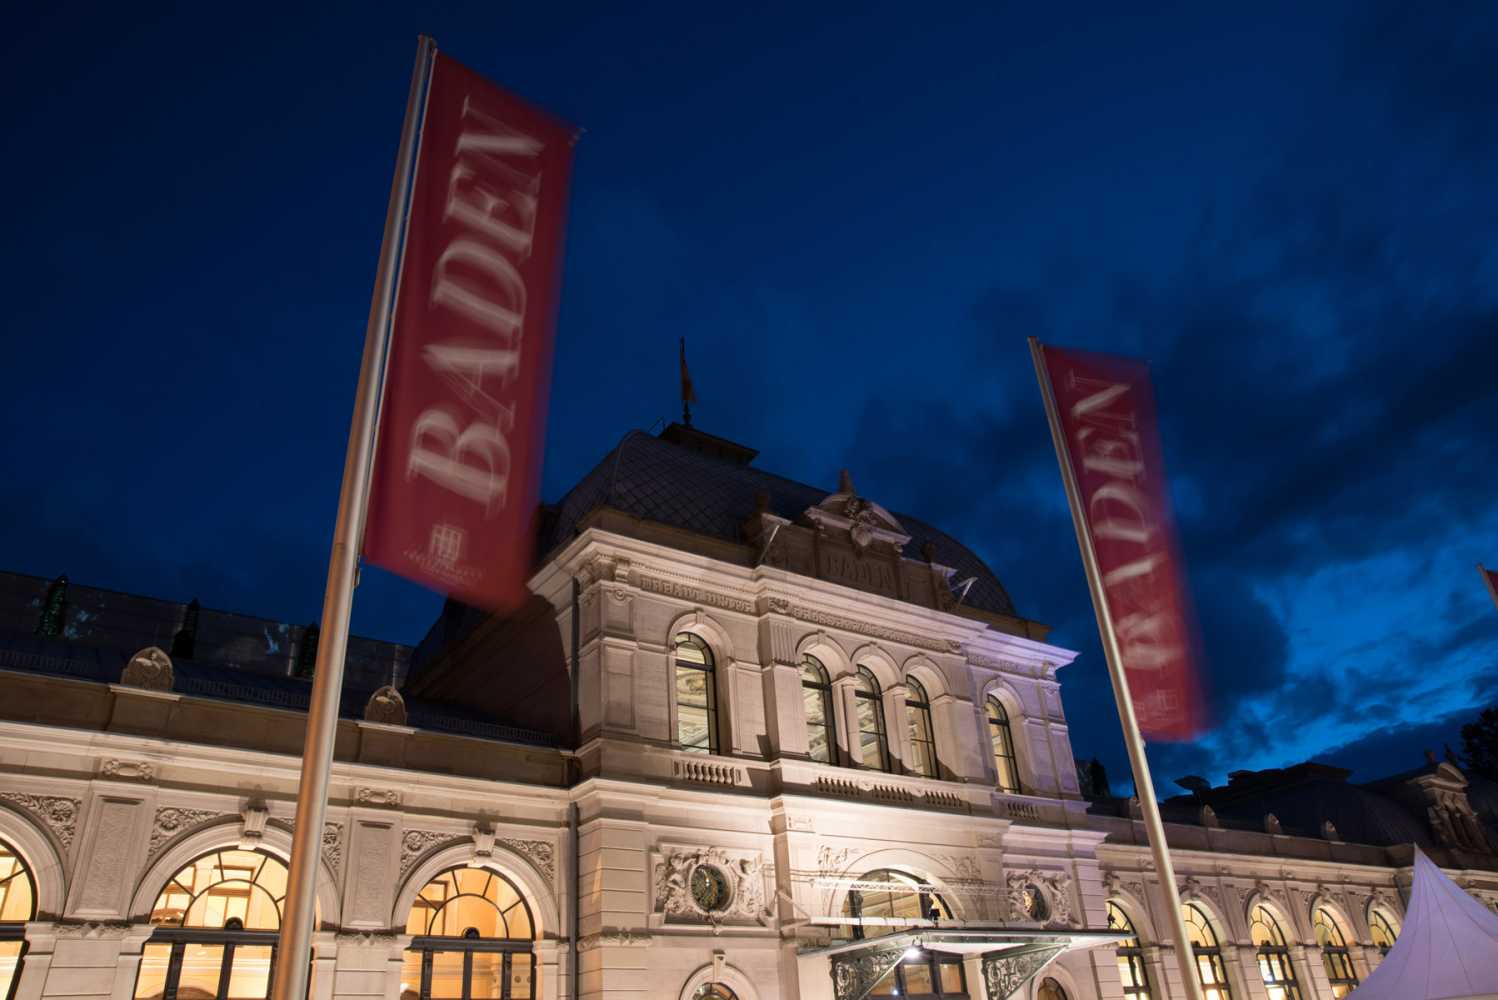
(845, 482)
(688, 394)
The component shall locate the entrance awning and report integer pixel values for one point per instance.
(1012, 956)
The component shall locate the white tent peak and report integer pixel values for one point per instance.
(1447, 949)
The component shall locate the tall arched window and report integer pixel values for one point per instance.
(1050, 990)
(216, 924)
(17, 905)
(891, 901)
(714, 991)
(1210, 971)
(1339, 971)
(873, 747)
(816, 697)
(922, 732)
(1385, 930)
(472, 938)
(696, 695)
(1131, 970)
(1004, 762)
(1275, 968)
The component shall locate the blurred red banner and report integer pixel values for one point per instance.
(1106, 408)
(1491, 579)
(456, 477)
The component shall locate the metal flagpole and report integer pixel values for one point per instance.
(1154, 829)
(294, 946)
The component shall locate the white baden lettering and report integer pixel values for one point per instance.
(473, 462)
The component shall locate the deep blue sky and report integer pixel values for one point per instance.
(855, 219)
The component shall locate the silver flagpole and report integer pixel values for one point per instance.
(294, 948)
(1154, 829)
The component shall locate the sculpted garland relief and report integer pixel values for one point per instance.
(710, 885)
(1040, 897)
(58, 814)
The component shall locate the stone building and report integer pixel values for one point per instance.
(751, 740)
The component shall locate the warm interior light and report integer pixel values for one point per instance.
(911, 954)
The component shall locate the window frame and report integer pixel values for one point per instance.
(1221, 988)
(925, 764)
(15, 930)
(822, 686)
(873, 696)
(709, 667)
(1130, 955)
(1000, 730)
(933, 960)
(1334, 955)
(430, 945)
(1378, 918)
(1272, 955)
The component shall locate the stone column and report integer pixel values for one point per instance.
(41, 939)
(897, 730)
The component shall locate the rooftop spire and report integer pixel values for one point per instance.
(845, 482)
(688, 394)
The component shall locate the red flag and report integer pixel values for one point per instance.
(456, 475)
(1491, 579)
(1106, 408)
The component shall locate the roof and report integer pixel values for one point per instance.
(713, 494)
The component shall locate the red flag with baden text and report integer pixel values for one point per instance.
(1489, 577)
(455, 487)
(1106, 409)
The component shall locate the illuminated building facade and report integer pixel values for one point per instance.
(751, 740)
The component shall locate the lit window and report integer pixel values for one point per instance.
(1131, 970)
(1339, 971)
(1005, 765)
(216, 926)
(17, 905)
(1210, 971)
(923, 975)
(472, 936)
(1275, 968)
(714, 991)
(873, 747)
(1385, 930)
(1050, 990)
(922, 733)
(892, 900)
(696, 695)
(816, 697)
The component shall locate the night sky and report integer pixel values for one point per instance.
(855, 219)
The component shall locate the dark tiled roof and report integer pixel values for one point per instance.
(60, 658)
(660, 481)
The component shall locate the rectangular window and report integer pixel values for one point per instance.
(696, 710)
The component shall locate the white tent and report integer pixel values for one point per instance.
(1447, 949)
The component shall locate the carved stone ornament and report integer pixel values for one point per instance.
(127, 770)
(696, 595)
(1272, 823)
(965, 868)
(415, 843)
(93, 930)
(1329, 830)
(386, 706)
(58, 814)
(332, 843)
(252, 824)
(830, 860)
(782, 606)
(171, 821)
(387, 798)
(856, 973)
(614, 937)
(708, 885)
(151, 669)
(1006, 975)
(541, 855)
(1039, 897)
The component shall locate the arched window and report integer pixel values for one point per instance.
(1050, 990)
(1131, 970)
(873, 747)
(696, 695)
(17, 905)
(889, 901)
(216, 924)
(816, 697)
(1210, 971)
(1004, 761)
(1385, 930)
(922, 732)
(1273, 956)
(472, 938)
(1339, 971)
(714, 991)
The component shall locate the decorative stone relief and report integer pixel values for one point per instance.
(252, 825)
(384, 798)
(171, 821)
(801, 824)
(830, 861)
(386, 706)
(151, 669)
(93, 930)
(365, 939)
(1272, 823)
(966, 869)
(539, 853)
(332, 843)
(856, 973)
(1040, 897)
(1329, 830)
(1006, 975)
(105, 870)
(127, 770)
(415, 843)
(614, 937)
(58, 814)
(710, 885)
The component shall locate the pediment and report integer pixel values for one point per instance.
(862, 520)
